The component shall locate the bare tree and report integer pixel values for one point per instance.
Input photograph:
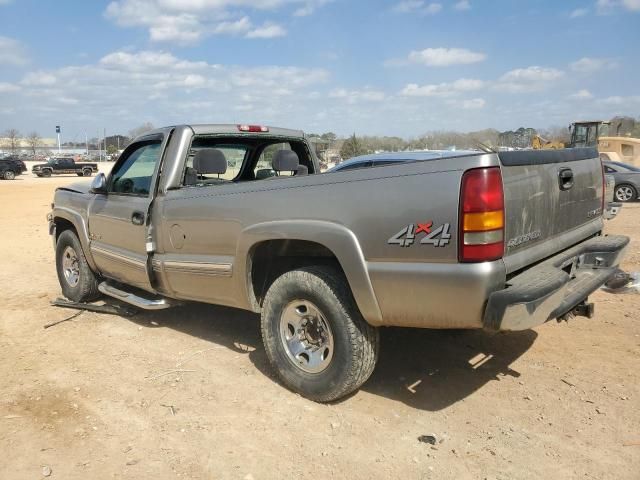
(12, 139)
(144, 128)
(33, 140)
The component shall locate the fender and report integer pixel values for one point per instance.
(337, 238)
(81, 227)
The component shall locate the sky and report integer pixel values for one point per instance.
(395, 67)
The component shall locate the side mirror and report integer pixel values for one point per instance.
(99, 184)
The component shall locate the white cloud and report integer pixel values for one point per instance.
(12, 52)
(8, 87)
(408, 6)
(442, 89)
(473, 104)
(39, 79)
(583, 94)
(633, 5)
(417, 6)
(268, 30)
(462, 5)
(579, 12)
(187, 22)
(433, 8)
(444, 57)
(354, 96)
(591, 65)
(528, 79)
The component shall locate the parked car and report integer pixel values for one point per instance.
(11, 167)
(388, 158)
(627, 179)
(495, 241)
(62, 166)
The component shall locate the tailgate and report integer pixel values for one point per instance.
(553, 200)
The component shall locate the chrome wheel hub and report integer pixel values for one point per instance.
(306, 336)
(70, 267)
(624, 194)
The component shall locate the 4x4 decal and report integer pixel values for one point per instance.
(438, 237)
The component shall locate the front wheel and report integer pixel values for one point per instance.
(87, 172)
(46, 173)
(77, 280)
(314, 335)
(625, 193)
(9, 175)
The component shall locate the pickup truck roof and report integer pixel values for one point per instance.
(229, 129)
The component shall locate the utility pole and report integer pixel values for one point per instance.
(99, 147)
(58, 134)
(86, 143)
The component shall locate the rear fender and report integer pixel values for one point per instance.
(339, 240)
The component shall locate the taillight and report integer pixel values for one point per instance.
(253, 128)
(481, 216)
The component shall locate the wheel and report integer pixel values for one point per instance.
(9, 175)
(625, 193)
(87, 172)
(46, 173)
(77, 280)
(314, 335)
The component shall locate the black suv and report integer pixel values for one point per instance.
(10, 167)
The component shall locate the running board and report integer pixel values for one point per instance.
(135, 300)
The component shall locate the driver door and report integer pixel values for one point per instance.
(118, 219)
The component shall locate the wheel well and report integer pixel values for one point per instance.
(63, 224)
(270, 259)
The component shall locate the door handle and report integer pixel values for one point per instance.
(137, 218)
(565, 178)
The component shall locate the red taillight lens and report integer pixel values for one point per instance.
(481, 216)
(253, 128)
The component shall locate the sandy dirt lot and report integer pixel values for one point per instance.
(92, 398)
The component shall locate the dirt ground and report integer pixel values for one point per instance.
(95, 398)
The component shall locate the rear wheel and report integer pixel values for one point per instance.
(315, 337)
(9, 175)
(625, 193)
(77, 280)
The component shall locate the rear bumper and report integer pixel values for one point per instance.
(613, 208)
(554, 287)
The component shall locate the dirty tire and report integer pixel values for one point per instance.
(86, 288)
(9, 175)
(46, 173)
(355, 342)
(87, 172)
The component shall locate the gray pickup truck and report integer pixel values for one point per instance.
(240, 215)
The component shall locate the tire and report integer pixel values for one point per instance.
(87, 172)
(625, 193)
(46, 173)
(77, 280)
(9, 175)
(346, 346)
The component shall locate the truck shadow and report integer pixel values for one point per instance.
(426, 369)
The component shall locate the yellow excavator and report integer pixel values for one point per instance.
(583, 134)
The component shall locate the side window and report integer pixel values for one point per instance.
(133, 175)
(263, 166)
(627, 150)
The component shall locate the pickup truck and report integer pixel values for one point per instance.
(240, 215)
(11, 167)
(64, 166)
